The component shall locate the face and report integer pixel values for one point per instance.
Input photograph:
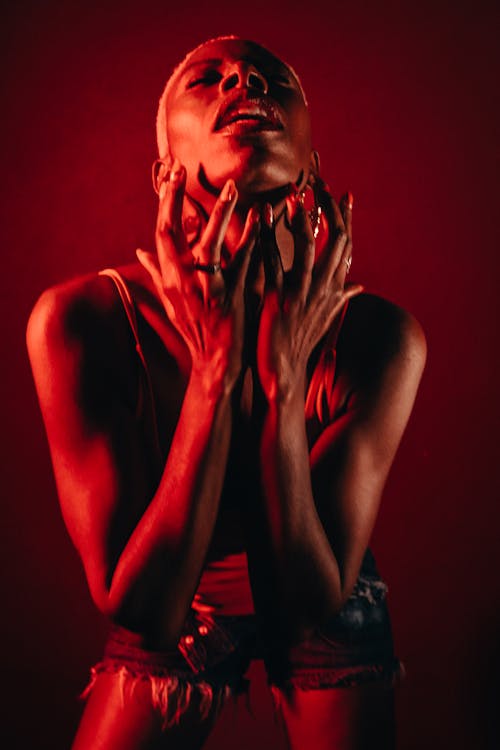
(235, 110)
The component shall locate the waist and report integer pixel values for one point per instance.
(224, 591)
(224, 587)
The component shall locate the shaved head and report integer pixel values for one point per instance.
(161, 116)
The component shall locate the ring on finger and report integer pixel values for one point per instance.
(315, 220)
(211, 268)
(348, 262)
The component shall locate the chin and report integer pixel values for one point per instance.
(257, 170)
(255, 173)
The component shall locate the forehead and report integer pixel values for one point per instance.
(219, 51)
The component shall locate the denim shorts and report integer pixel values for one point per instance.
(215, 651)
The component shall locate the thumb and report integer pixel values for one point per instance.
(170, 276)
(352, 290)
(150, 263)
(273, 268)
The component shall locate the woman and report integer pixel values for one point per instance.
(219, 455)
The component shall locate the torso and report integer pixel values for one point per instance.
(169, 365)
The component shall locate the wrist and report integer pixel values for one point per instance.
(211, 381)
(286, 388)
(286, 394)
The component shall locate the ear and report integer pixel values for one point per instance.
(314, 165)
(159, 173)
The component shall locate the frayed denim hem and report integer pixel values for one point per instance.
(171, 694)
(323, 679)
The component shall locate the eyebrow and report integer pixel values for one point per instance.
(197, 63)
(216, 61)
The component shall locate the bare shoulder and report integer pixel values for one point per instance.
(378, 335)
(67, 309)
(78, 338)
(72, 306)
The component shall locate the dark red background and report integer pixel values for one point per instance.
(404, 106)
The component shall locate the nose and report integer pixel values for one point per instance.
(244, 75)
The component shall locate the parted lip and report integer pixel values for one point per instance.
(248, 106)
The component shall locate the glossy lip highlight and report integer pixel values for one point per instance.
(247, 107)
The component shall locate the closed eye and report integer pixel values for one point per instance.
(281, 80)
(208, 78)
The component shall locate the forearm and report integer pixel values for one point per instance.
(294, 573)
(158, 570)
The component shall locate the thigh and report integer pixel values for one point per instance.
(120, 715)
(350, 718)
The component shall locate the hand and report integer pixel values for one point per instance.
(300, 306)
(206, 308)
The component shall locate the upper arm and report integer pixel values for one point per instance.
(94, 447)
(351, 459)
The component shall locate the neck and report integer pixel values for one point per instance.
(276, 198)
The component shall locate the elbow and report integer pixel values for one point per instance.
(117, 610)
(330, 605)
(112, 607)
(160, 625)
(317, 615)
(99, 581)
(102, 599)
(114, 599)
(333, 606)
(303, 628)
(162, 633)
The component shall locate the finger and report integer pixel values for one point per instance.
(331, 211)
(341, 300)
(304, 250)
(170, 238)
(346, 204)
(181, 315)
(330, 264)
(150, 263)
(344, 264)
(241, 260)
(211, 242)
(207, 254)
(352, 290)
(330, 259)
(171, 195)
(273, 268)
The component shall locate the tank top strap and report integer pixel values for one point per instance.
(319, 397)
(129, 308)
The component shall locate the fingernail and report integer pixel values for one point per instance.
(291, 206)
(354, 291)
(268, 215)
(350, 200)
(254, 216)
(228, 192)
(176, 171)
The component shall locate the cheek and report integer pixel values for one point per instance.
(185, 136)
(301, 135)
